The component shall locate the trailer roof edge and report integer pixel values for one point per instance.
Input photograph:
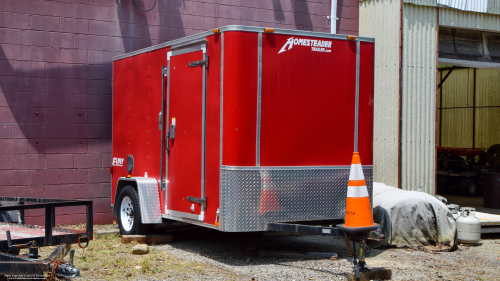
(196, 37)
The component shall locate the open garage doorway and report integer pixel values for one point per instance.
(468, 118)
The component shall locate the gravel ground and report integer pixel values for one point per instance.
(237, 255)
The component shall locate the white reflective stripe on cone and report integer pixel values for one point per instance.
(357, 191)
(356, 173)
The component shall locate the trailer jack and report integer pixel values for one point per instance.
(360, 270)
(365, 237)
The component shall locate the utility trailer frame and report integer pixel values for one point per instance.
(22, 236)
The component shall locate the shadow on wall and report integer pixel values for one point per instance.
(301, 15)
(56, 103)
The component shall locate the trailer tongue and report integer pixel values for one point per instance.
(242, 129)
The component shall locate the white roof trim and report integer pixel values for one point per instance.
(480, 6)
(469, 63)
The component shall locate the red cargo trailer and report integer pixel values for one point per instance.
(240, 127)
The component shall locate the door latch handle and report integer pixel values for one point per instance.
(160, 123)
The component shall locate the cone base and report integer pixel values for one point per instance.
(358, 212)
(354, 229)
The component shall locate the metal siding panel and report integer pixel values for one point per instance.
(487, 123)
(488, 107)
(457, 108)
(381, 19)
(458, 88)
(308, 106)
(418, 116)
(469, 20)
(456, 124)
(240, 98)
(252, 198)
(488, 87)
(430, 3)
(457, 127)
(493, 6)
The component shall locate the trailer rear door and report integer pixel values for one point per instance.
(186, 132)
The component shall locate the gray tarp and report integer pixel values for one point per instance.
(412, 218)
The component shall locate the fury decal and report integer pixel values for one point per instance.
(118, 162)
(316, 45)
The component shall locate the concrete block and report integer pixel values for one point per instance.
(100, 57)
(72, 116)
(99, 116)
(88, 131)
(88, 161)
(46, 23)
(12, 20)
(29, 37)
(74, 56)
(59, 9)
(72, 176)
(58, 100)
(140, 249)
(45, 54)
(44, 177)
(73, 146)
(99, 175)
(88, 191)
(59, 191)
(28, 6)
(14, 52)
(60, 131)
(7, 131)
(59, 161)
(88, 11)
(30, 161)
(104, 28)
(9, 146)
(57, 39)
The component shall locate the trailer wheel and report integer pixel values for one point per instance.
(129, 213)
(493, 153)
(469, 187)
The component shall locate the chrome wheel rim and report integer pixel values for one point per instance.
(127, 213)
(472, 188)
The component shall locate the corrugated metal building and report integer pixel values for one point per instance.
(413, 117)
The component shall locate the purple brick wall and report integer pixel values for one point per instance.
(55, 81)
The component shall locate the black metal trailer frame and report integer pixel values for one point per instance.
(28, 265)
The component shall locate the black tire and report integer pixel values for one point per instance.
(130, 227)
(469, 187)
(496, 168)
(442, 184)
(493, 154)
(482, 159)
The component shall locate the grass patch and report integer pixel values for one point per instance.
(107, 259)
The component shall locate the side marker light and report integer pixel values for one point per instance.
(268, 29)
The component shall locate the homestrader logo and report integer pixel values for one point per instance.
(316, 45)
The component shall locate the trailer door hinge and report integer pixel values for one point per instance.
(198, 63)
(164, 71)
(196, 200)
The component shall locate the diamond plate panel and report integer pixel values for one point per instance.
(252, 198)
(149, 200)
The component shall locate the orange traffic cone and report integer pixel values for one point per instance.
(358, 213)
(268, 199)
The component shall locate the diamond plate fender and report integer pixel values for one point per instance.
(149, 199)
(252, 197)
